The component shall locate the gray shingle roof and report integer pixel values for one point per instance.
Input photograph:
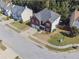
(17, 9)
(47, 15)
(8, 7)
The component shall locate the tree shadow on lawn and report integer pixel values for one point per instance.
(68, 34)
(28, 23)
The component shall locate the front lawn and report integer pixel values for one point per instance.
(66, 40)
(20, 26)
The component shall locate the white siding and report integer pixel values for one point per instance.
(55, 23)
(27, 13)
(76, 23)
(7, 12)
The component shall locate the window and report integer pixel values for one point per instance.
(32, 21)
(36, 22)
(48, 25)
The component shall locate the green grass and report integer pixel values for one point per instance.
(52, 48)
(6, 18)
(67, 40)
(20, 26)
(13, 28)
(2, 47)
(0, 13)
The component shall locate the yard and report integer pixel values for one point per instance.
(55, 37)
(66, 40)
(20, 26)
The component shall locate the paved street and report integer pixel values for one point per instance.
(26, 49)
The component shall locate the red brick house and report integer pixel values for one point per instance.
(45, 20)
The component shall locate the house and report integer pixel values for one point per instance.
(6, 1)
(74, 19)
(2, 5)
(21, 13)
(26, 14)
(7, 10)
(46, 20)
(5, 7)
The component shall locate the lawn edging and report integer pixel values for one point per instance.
(51, 45)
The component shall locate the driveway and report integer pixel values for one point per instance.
(26, 49)
(28, 32)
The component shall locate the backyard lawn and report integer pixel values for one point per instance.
(65, 40)
(20, 26)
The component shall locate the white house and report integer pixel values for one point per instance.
(7, 10)
(21, 13)
(26, 14)
(46, 20)
(74, 19)
(5, 7)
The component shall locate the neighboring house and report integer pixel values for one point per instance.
(2, 5)
(26, 14)
(74, 19)
(5, 7)
(6, 1)
(7, 10)
(21, 13)
(46, 20)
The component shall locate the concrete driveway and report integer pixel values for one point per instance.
(26, 49)
(28, 32)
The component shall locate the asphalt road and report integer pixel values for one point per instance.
(27, 49)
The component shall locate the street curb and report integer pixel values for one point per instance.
(58, 47)
(14, 28)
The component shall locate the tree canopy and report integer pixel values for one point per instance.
(63, 7)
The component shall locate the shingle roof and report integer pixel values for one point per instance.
(17, 9)
(47, 15)
(9, 6)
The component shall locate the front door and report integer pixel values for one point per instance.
(48, 26)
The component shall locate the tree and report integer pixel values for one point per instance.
(63, 7)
